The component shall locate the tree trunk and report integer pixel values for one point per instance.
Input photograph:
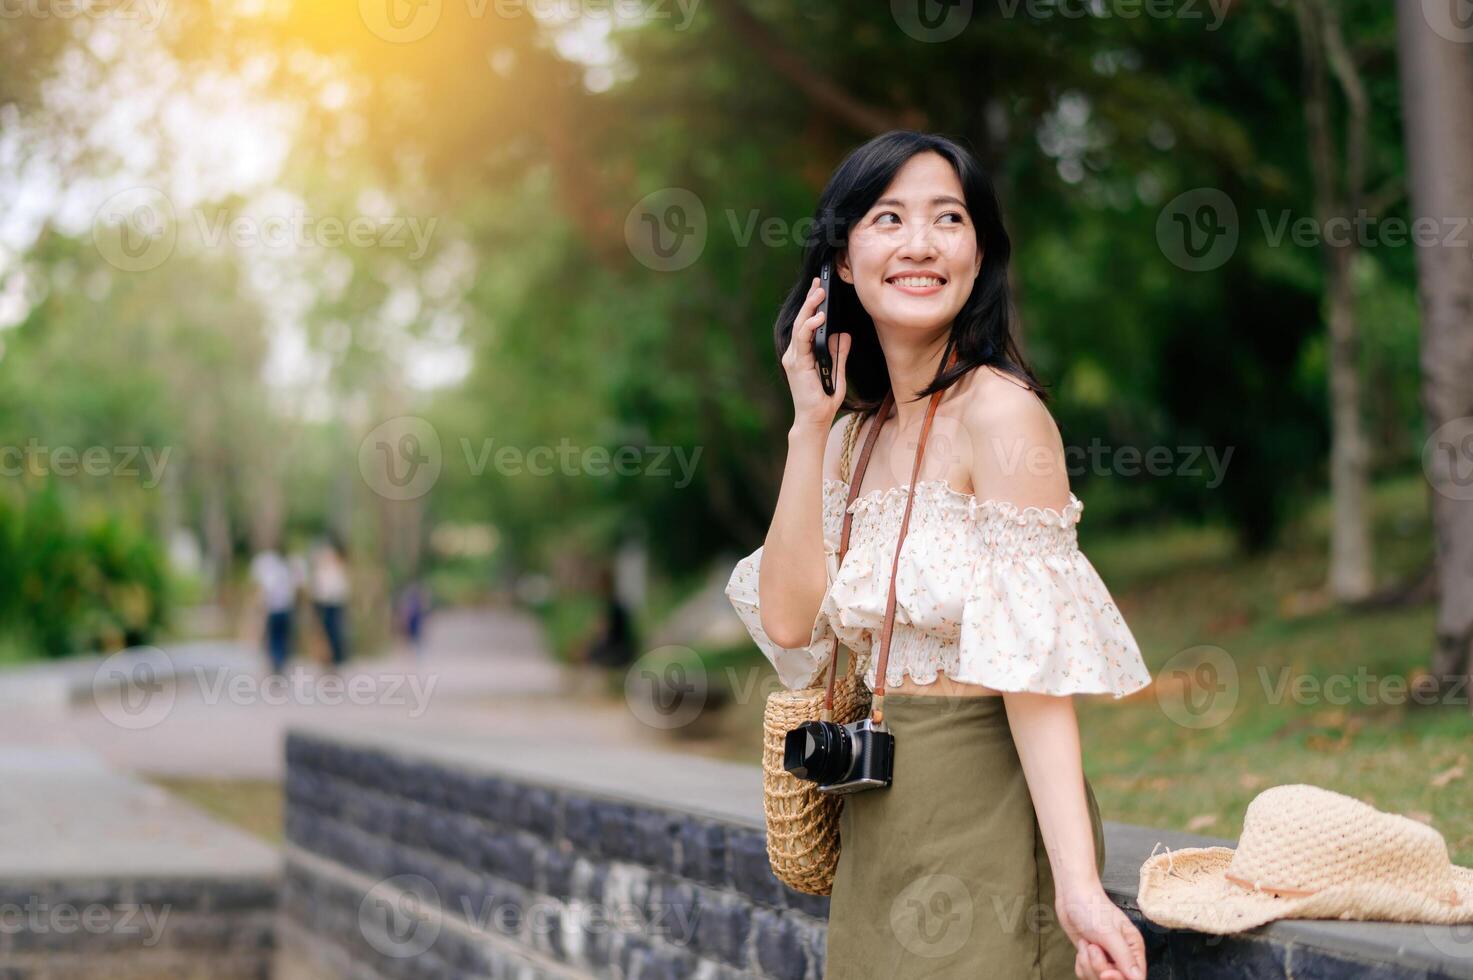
(1351, 577)
(218, 534)
(1437, 109)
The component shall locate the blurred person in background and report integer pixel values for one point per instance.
(328, 581)
(613, 642)
(414, 607)
(276, 586)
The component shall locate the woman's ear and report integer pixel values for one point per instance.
(841, 265)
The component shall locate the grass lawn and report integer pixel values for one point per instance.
(1360, 734)
(1190, 598)
(254, 806)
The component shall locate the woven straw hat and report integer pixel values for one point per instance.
(1309, 853)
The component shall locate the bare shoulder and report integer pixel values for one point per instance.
(992, 400)
(1017, 449)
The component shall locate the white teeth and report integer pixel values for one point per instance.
(916, 281)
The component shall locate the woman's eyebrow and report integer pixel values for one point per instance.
(943, 199)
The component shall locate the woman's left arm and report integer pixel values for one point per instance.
(1046, 733)
(1018, 455)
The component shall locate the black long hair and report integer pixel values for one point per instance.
(983, 330)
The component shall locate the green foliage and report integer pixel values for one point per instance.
(1089, 125)
(569, 624)
(72, 582)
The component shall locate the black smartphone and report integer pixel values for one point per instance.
(821, 335)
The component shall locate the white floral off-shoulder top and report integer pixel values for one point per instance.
(988, 592)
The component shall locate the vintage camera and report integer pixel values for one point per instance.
(841, 758)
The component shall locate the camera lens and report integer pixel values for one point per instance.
(818, 750)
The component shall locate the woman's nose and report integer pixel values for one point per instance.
(920, 245)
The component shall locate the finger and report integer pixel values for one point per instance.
(1119, 952)
(800, 342)
(1082, 969)
(803, 340)
(1101, 965)
(1136, 943)
(809, 307)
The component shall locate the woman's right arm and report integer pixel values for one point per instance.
(793, 578)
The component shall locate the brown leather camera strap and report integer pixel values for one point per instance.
(878, 712)
(855, 479)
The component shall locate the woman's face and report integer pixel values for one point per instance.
(912, 258)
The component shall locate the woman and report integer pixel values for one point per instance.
(330, 591)
(982, 858)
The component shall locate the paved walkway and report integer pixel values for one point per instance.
(483, 672)
(66, 814)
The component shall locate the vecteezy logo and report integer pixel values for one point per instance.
(400, 916)
(401, 459)
(933, 915)
(666, 230)
(1455, 940)
(1198, 230)
(1447, 459)
(135, 230)
(134, 688)
(1198, 688)
(400, 21)
(932, 21)
(666, 688)
(1450, 19)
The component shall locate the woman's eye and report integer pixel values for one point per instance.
(880, 218)
(958, 219)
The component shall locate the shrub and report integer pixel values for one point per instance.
(73, 584)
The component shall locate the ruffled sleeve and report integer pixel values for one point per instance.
(1036, 615)
(796, 667)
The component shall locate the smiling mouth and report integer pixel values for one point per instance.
(919, 282)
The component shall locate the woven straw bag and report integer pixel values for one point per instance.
(803, 823)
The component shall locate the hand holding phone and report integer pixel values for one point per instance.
(816, 376)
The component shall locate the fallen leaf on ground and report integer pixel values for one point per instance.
(1333, 718)
(1448, 775)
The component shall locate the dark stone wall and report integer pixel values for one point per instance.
(137, 928)
(410, 866)
(518, 880)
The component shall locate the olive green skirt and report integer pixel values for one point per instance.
(943, 874)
